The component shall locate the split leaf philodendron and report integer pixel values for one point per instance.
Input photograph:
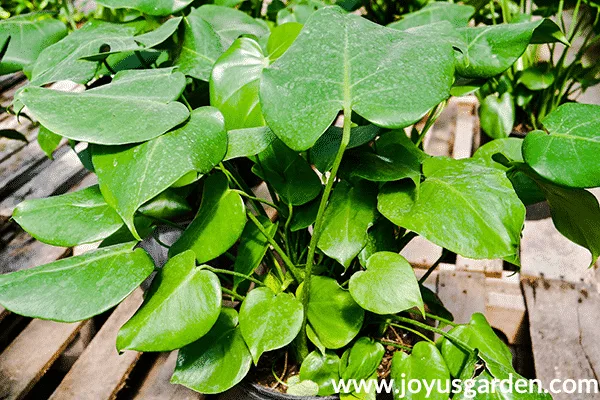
(274, 147)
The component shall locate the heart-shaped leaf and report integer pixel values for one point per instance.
(269, 321)
(497, 115)
(332, 313)
(381, 237)
(76, 288)
(248, 142)
(481, 224)
(150, 7)
(361, 360)
(65, 220)
(567, 156)
(323, 369)
(131, 176)
(281, 38)
(48, 141)
(230, 23)
(183, 304)
(252, 249)
(535, 78)
(388, 286)
(216, 362)
(218, 224)
(140, 106)
(351, 211)
(27, 36)
(329, 68)
(389, 163)
(426, 364)
(457, 14)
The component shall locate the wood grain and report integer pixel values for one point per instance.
(463, 293)
(157, 386)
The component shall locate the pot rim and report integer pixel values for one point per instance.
(266, 391)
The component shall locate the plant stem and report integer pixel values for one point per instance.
(258, 199)
(186, 102)
(433, 267)
(394, 344)
(233, 294)
(413, 331)
(440, 319)
(228, 272)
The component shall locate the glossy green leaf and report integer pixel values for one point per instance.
(381, 237)
(535, 78)
(234, 84)
(27, 36)
(388, 286)
(426, 364)
(169, 204)
(509, 147)
(329, 68)
(48, 141)
(322, 369)
(457, 14)
(69, 219)
(351, 211)
(230, 23)
(160, 34)
(305, 388)
(200, 48)
(218, 224)
(76, 288)
(183, 304)
(490, 50)
(281, 38)
(248, 142)
(269, 321)
(567, 156)
(289, 173)
(332, 313)
(497, 115)
(150, 7)
(217, 361)
(389, 163)
(305, 215)
(361, 360)
(141, 106)
(131, 176)
(252, 249)
(451, 210)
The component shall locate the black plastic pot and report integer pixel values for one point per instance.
(253, 391)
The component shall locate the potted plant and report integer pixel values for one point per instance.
(179, 115)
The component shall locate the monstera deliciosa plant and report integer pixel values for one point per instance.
(184, 114)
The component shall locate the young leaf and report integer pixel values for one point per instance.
(230, 23)
(216, 362)
(248, 142)
(150, 7)
(131, 176)
(48, 141)
(252, 249)
(303, 388)
(323, 369)
(569, 155)
(351, 211)
(497, 115)
(329, 68)
(388, 286)
(535, 78)
(65, 220)
(361, 360)
(141, 106)
(160, 34)
(269, 321)
(281, 38)
(183, 304)
(451, 210)
(332, 313)
(234, 84)
(426, 364)
(169, 204)
(457, 14)
(218, 224)
(381, 237)
(27, 36)
(76, 288)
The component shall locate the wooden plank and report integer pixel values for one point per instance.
(556, 331)
(491, 268)
(101, 372)
(421, 253)
(9, 147)
(28, 357)
(3, 313)
(438, 141)
(505, 307)
(25, 252)
(466, 127)
(463, 293)
(156, 385)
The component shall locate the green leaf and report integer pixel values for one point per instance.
(330, 68)
(230, 23)
(305, 215)
(457, 14)
(332, 313)
(252, 249)
(76, 288)
(497, 115)
(131, 176)
(234, 84)
(69, 219)
(269, 321)
(281, 38)
(361, 360)
(218, 224)
(48, 141)
(141, 106)
(490, 50)
(248, 142)
(12, 134)
(567, 156)
(200, 48)
(388, 286)
(425, 363)
(323, 369)
(303, 389)
(535, 78)
(150, 7)
(27, 36)
(381, 237)
(389, 163)
(481, 224)
(292, 177)
(160, 34)
(183, 304)
(169, 204)
(351, 211)
(216, 362)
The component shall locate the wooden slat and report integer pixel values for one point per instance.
(563, 325)
(25, 252)
(8, 147)
(492, 268)
(28, 357)
(463, 293)
(505, 307)
(3, 313)
(156, 385)
(466, 127)
(101, 372)
(421, 253)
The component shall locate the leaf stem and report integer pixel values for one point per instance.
(394, 344)
(233, 294)
(433, 267)
(440, 319)
(416, 332)
(253, 198)
(228, 272)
